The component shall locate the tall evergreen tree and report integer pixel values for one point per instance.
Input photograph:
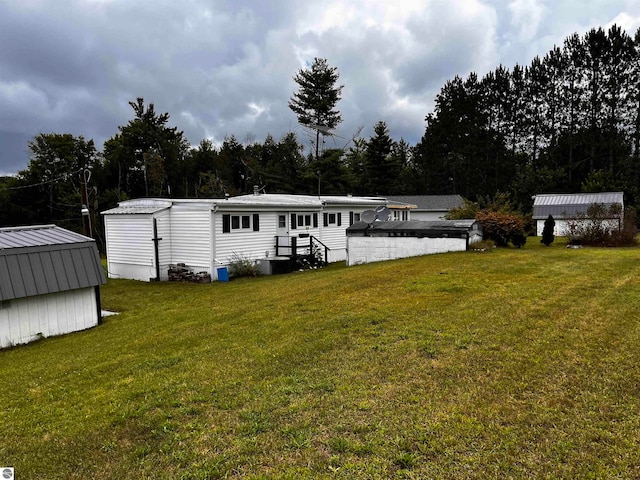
(316, 99)
(382, 173)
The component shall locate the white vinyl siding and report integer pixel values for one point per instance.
(129, 239)
(245, 242)
(130, 252)
(26, 319)
(191, 236)
(334, 235)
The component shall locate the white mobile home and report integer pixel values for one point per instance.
(145, 237)
(49, 283)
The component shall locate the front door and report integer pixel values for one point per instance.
(282, 232)
(282, 229)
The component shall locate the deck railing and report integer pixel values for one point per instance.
(308, 247)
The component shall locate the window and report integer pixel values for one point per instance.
(332, 219)
(304, 220)
(402, 215)
(353, 218)
(240, 222)
(282, 221)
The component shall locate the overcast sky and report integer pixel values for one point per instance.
(226, 67)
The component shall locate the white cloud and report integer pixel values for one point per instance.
(526, 16)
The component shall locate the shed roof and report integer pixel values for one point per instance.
(564, 205)
(438, 203)
(46, 259)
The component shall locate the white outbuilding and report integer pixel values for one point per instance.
(380, 241)
(146, 237)
(568, 207)
(49, 283)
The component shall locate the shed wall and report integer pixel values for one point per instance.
(377, 249)
(562, 226)
(23, 320)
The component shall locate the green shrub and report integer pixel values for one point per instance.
(242, 266)
(518, 239)
(547, 231)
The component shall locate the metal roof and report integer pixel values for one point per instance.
(263, 200)
(289, 200)
(46, 259)
(13, 237)
(438, 203)
(564, 205)
(143, 206)
(418, 226)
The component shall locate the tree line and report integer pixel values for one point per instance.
(568, 122)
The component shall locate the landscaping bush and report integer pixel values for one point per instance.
(498, 218)
(547, 231)
(518, 239)
(603, 226)
(502, 227)
(242, 266)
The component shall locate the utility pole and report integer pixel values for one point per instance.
(85, 175)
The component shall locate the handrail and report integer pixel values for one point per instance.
(326, 249)
(320, 242)
(292, 246)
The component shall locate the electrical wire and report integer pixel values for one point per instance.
(20, 187)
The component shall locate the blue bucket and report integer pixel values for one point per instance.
(223, 274)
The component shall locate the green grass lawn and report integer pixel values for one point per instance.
(513, 363)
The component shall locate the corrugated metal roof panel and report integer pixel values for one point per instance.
(15, 237)
(564, 205)
(46, 259)
(133, 210)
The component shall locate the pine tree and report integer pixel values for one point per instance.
(315, 101)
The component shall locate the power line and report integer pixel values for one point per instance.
(21, 187)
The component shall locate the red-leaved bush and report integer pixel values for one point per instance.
(502, 227)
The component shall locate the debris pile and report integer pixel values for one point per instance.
(182, 273)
